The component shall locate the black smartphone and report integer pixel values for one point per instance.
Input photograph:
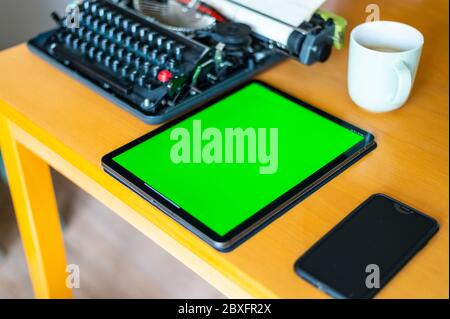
(362, 253)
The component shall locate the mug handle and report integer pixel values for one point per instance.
(404, 77)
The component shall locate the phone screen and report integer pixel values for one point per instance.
(361, 254)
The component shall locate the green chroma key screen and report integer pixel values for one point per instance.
(225, 192)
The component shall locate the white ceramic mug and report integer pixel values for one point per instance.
(383, 62)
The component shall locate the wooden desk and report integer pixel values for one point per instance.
(49, 118)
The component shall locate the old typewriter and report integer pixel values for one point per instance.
(160, 58)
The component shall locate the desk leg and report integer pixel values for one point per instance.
(37, 216)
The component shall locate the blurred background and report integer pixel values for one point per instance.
(122, 263)
(22, 19)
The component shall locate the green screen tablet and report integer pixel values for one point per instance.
(234, 158)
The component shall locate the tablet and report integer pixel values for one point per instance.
(231, 166)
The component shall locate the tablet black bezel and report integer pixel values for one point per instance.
(142, 186)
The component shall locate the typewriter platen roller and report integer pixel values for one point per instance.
(142, 56)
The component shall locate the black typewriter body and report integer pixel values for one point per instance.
(151, 71)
